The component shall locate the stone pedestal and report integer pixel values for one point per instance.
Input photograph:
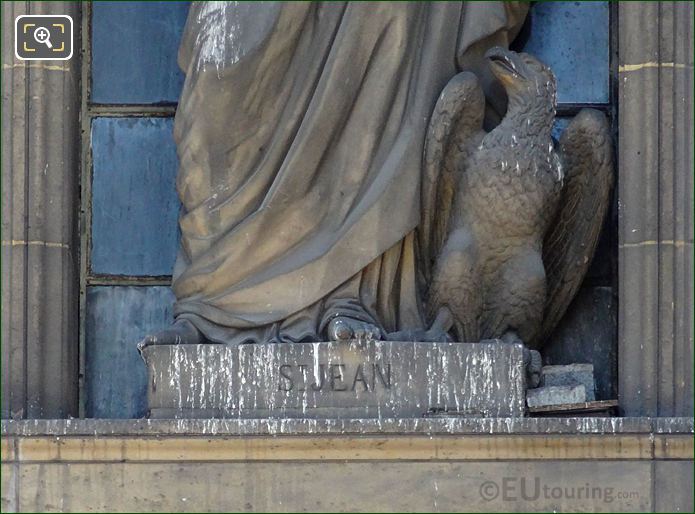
(358, 379)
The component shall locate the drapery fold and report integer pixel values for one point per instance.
(300, 133)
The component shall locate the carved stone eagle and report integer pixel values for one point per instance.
(518, 218)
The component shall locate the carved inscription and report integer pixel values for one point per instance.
(337, 377)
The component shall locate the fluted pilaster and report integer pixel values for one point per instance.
(655, 158)
(40, 184)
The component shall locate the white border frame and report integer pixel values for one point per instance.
(72, 39)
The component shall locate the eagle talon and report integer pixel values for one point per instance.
(533, 363)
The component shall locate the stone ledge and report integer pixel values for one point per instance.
(340, 440)
(429, 426)
(75, 449)
(431, 464)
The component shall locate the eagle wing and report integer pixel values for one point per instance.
(455, 128)
(586, 155)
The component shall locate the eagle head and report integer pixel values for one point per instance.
(524, 77)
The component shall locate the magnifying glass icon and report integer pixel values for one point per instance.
(43, 35)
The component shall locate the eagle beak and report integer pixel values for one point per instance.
(503, 65)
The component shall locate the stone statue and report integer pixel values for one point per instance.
(300, 133)
(517, 204)
(309, 212)
(524, 218)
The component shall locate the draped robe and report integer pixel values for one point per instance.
(300, 133)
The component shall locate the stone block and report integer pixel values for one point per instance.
(357, 379)
(555, 395)
(569, 375)
(673, 486)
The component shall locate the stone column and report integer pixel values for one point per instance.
(655, 159)
(40, 185)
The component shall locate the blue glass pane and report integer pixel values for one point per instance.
(117, 319)
(134, 49)
(134, 202)
(572, 38)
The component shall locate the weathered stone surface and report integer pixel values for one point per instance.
(8, 488)
(673, 486)
(348, 486)
(255, 427)
(40, 181)
(555, 395)
(569, 375)
(368, 379)
(563, 465)
(339, 447)
(360, 439)
(655, 198)
(674, 425)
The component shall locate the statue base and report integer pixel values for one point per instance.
(355, 379)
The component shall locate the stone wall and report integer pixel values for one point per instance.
(431, 465)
